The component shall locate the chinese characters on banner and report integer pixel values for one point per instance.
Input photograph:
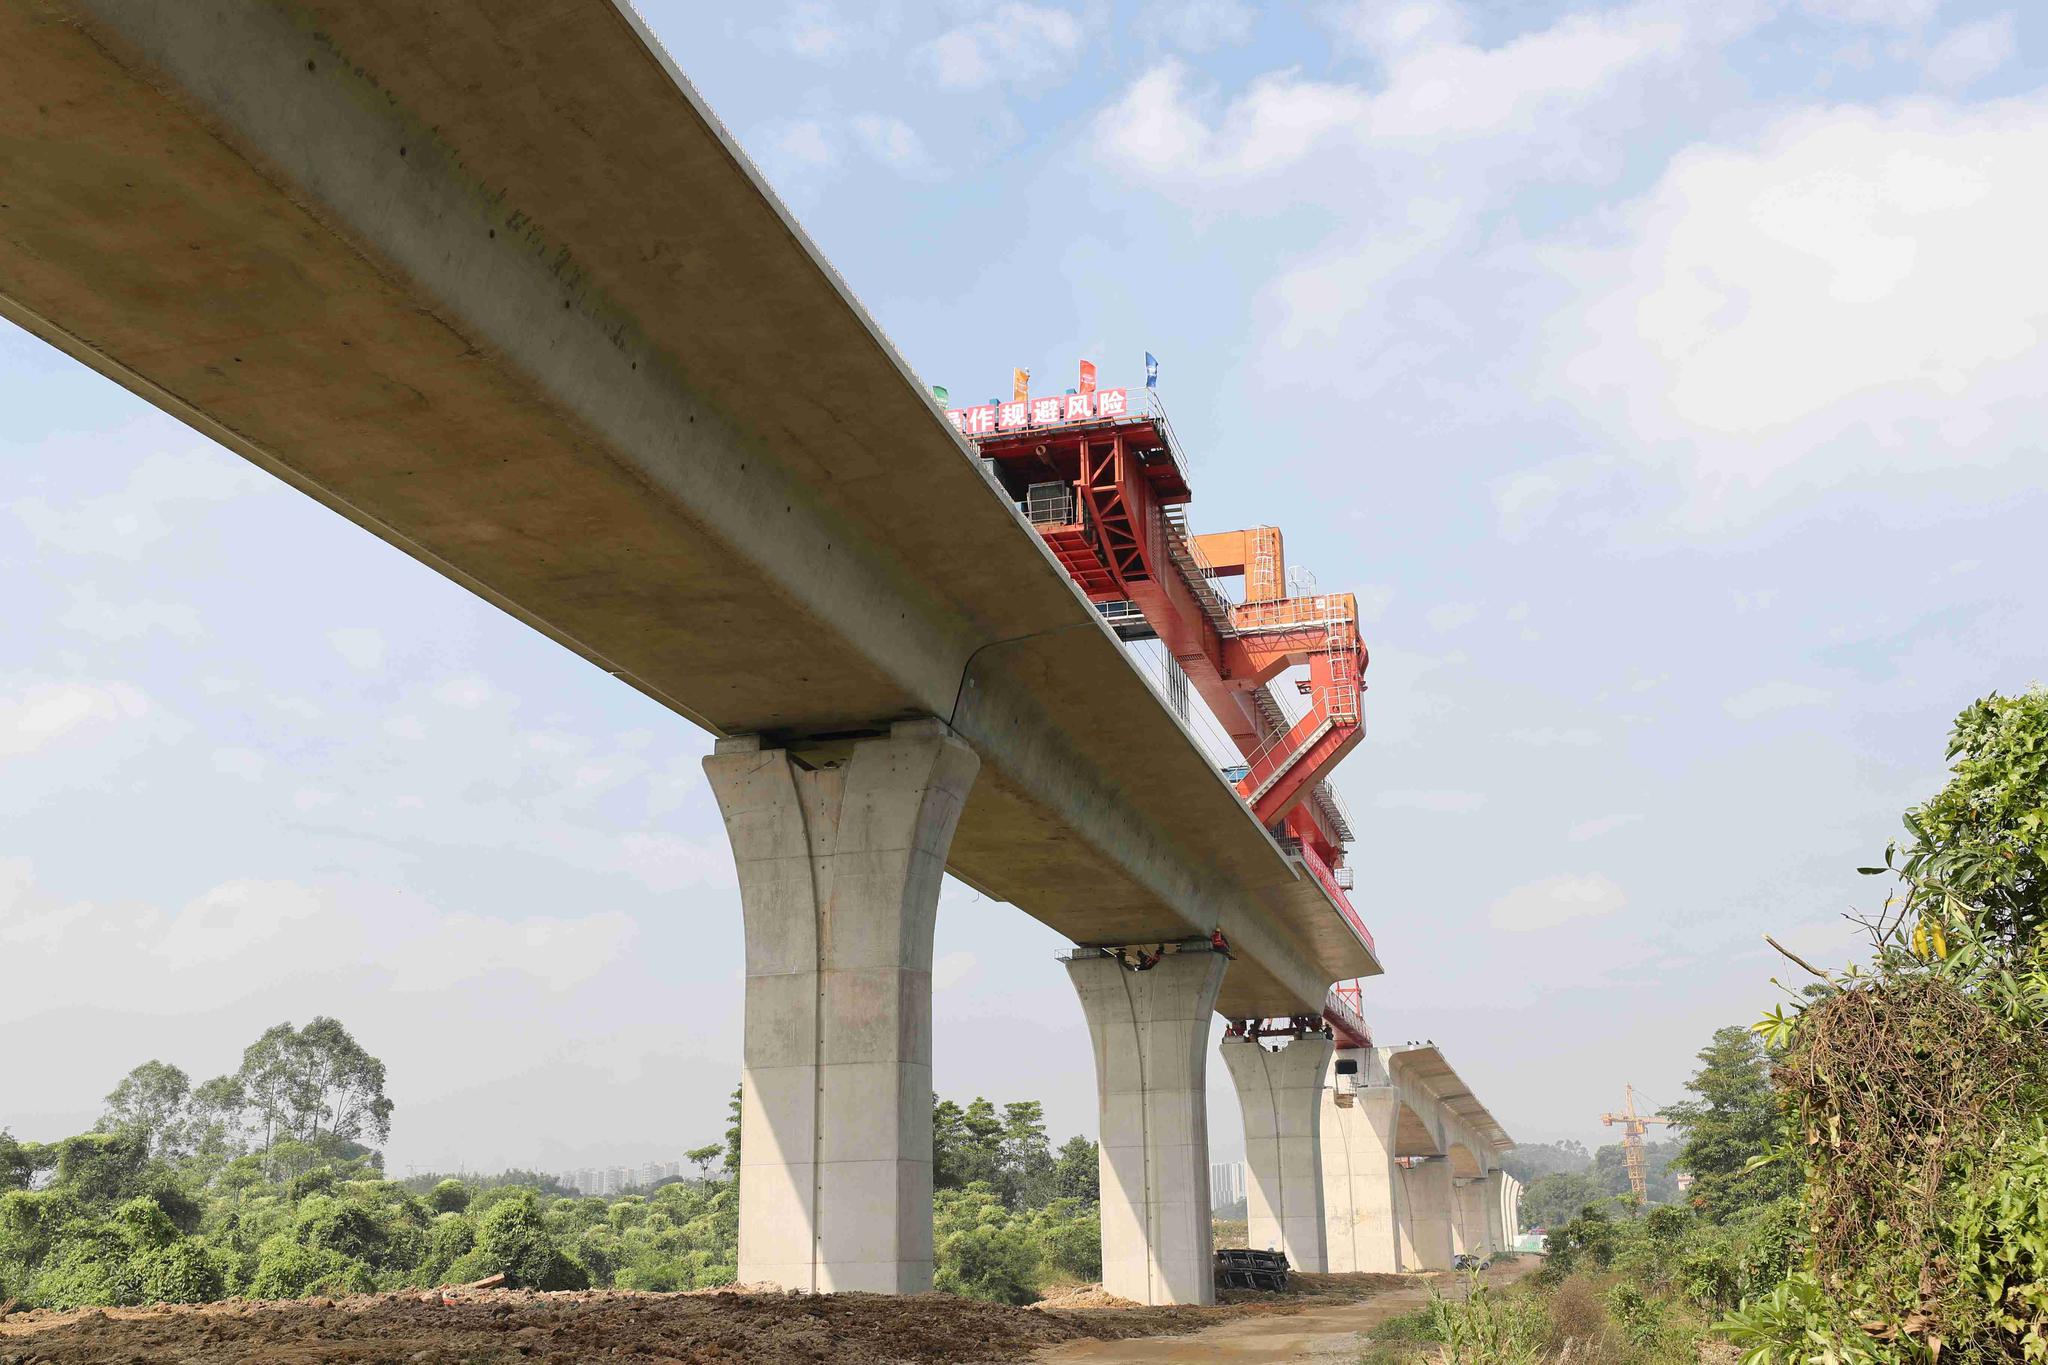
(1018, 415)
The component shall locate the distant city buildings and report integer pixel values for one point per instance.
(606, 1181)
(1226, 1184)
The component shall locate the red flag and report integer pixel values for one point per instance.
(1087, 376)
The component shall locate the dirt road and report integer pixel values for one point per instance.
(1319, 1332)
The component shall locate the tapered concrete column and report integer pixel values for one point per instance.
(1151, 1035)
(1426, 1215)
(1497, 1190)
(1468, 1221)
(839, 871)
(1361, 1196)
(1281, 1094)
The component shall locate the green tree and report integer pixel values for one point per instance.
(20, 1161)
(1025, 1163)
(732, 1135)
(1982, 841)
(966, 1144)
(702, 1157)
(1550, 1201)
(216, 1118)
(1735, 1118)
(513, 1239)
(450, 1196)
(1532, 1161)
(983, 1251)
(150, 1103)
(317, 1086)
(1077, 1171)
(1610, 1171)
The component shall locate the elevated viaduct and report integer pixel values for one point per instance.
(490, 281)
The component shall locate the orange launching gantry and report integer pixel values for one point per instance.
(1105, 487)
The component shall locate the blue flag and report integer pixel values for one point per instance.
(1151, 370)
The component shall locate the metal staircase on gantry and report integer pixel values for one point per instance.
(1108, 495)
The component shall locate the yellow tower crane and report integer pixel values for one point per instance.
(1633, 1126)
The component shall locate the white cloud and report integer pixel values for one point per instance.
(1437, 89)
(1593, 829)
(952, 969)
(311, 798)
(1450, 615)
(233, 919)
(95, 615)
(245, 764)
(1773, 696)
(1197, 25)
(1388, 28)
(361, 647)
(795, 149)
(893, 143)
(126, 523)
(1972, 51)
(244, 937)
(405, 727)
(1554, 901)
(1524, 501)
(1548, 737)
(667, 862)
(1850, 293)
(43, 714)
(555, 953)
(302, 707)
(1898, 14)
(816, 31)
(826, 33)
(1017, 44)
(1442, 802)
(1373, 601)
(466, 693)
(1759, 599)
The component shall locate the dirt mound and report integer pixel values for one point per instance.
(1083, 1296)
(490, 1328)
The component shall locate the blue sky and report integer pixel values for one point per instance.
(1663, 377)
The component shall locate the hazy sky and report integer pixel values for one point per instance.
(1665, 378)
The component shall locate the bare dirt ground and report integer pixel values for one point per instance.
(471, 1327)
(487, 1328)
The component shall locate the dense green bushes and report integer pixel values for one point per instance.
(986, 1250)
(182, 1201)
(1912, 1087)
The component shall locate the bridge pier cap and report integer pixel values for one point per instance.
(840, 867)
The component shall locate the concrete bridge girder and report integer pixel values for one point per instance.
(507, 296)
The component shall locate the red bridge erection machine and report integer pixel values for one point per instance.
(1102, 481)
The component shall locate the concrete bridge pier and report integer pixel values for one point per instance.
(840, 862)
(1361, 1197)
(1426, 1196)
(1150, 1031)
(1470, 1233)
(1503, 1209)
(1281, 1094)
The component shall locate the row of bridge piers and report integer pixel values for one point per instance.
(1352, 1161)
